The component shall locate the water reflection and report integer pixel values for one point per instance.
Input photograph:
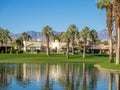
(59, 76)
(117, 79)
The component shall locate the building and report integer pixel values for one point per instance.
(32, 46)
(60, 47)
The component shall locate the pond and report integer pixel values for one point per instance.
(57, 76)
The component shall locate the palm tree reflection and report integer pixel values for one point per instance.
(47, 77)
(117, 80)
(5, 79)
(84, 84)
(110, 81)
(72, 86)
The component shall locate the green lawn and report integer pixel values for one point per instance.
(58, 58)
(108, 65)
(51, 58)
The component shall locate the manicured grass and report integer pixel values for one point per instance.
(108, 65)
(52, 58)
(58, 58)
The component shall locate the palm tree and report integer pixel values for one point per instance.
(5, 38)
(19, 43)
(85, 34)
(116, 4)
(47, 31)
(93, 37)
(24, 36)
(55, 37)
(65, 37)
(107, 4)
(28, 38)
(73, 30)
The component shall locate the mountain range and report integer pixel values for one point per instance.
(102, 35)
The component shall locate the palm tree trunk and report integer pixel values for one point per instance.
(6, 48)
(118, 47)
(109, 10)
(110, 49)
(73, 46)
(67, 52)
(117, 40)
(92, 46)
(84, 50)
(117, 26)
(47, 41)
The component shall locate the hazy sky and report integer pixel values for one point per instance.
(24, 15)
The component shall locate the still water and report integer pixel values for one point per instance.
(57, 76)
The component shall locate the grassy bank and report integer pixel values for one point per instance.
(52, 58)
(101, 60)
(108, 65)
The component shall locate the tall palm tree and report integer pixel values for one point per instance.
(93, 37)
(85, 34)
(107, 4)
(47, 31)
(116, 6)
(73, 30)
(65, 37)
(6, 37)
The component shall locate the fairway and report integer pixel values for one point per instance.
(52, 58)
(102, 60)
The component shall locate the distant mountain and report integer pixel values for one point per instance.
(14, 36)
(102, 35)
(35, 35)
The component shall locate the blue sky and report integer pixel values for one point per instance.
(24, 15)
